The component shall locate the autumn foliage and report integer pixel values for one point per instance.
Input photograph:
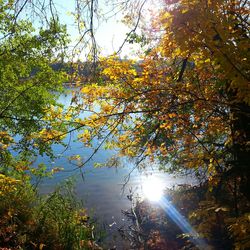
(183, 105)
(186, 102)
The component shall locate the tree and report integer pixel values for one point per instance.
(187, 98)
(187, 102)
(28, 82)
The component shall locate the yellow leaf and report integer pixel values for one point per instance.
(41, 246)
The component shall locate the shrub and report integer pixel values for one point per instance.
(31, 221)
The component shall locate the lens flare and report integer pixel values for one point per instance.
(153, 190)
(183, 224)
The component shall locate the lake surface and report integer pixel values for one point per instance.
(100, 189)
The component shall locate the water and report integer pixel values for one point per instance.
(101, 190)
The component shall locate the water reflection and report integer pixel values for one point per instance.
(102, 189)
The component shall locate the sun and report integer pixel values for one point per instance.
(153, 188)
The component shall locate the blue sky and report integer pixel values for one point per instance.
(110, 33)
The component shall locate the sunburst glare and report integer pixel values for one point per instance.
(153, 188)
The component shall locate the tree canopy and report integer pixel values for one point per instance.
(186, 102)
(28, 82)
(183, 104)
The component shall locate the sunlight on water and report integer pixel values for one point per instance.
(153, 188)
(102, 190)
